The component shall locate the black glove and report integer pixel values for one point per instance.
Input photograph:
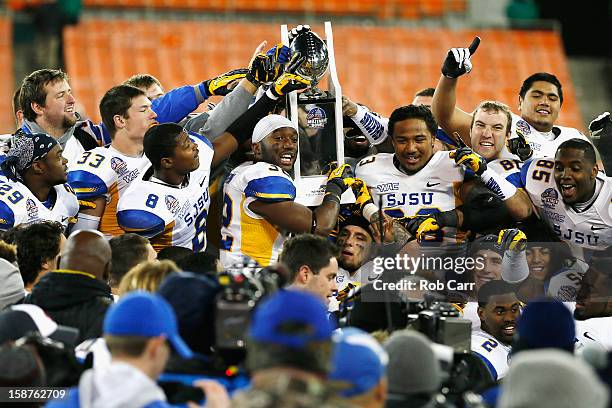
(301, 29)
(600, 124)
(222, 85)
(519, 146)
(289, 81)
(469, 159)
(261, 69)
(458, 61)
(338, 181)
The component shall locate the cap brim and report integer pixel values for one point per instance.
(180, 347)
(65, 334)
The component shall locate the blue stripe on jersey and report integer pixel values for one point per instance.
(7, 217)
(270, 189)
(488, 363)
(201, 138)
(524, 171)
(86, 185)
(515, 179)
(141, 222)
(441, 135)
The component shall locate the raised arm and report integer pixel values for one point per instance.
(449, 117)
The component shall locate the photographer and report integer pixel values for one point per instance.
(139, 331)
(288, 353)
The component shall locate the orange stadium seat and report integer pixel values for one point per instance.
(377, 8)
(381, 67)
(6, 73)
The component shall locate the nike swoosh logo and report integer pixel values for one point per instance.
(430, 184)
(586, 334)
(203, 180)
(593, 228)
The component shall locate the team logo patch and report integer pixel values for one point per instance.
(172, 204)
(550, 198)
(119, 165)
(523, 127)
(339, 279)
(31, 208)
(567, 293)
(316, 118)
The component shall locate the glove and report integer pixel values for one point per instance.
(519, 146)
(362, 195)
(599, 125)
(289, 81)
(457, 60)
(221, 85)
(513, 239)
(339, 180)
(301, 29)
(280, 53)
(420, 225)
(469, 159)
(260, 70)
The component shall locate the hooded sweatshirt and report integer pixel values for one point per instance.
(75, 299)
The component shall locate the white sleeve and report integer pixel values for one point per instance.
(514, 266)
(373, 127)
(86, 222)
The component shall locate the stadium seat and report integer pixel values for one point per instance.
(6, 73)
(381, 67)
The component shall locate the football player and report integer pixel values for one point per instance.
(35, 190)
(259, 206)
(498, 310)
(533, 132)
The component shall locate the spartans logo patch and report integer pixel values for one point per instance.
(119, 166)
(316, 118)
(523, 127)
(550, 198)
(172, 204)
(31, 208)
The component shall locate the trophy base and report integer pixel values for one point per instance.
(315, 95)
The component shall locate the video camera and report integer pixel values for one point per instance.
(243, 285)
(442, 323)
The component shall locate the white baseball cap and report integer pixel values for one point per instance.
(19, 320)
(268, 125)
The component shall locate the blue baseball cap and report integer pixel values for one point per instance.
(291, 318)
(546, 323)
(145, 314)
(359, 360)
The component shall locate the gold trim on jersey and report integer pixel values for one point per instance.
(108, 222)
(271, 195)
(257, 236)
(164, 239)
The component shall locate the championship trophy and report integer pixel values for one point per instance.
(318, 115)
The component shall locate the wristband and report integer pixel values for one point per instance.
(373, 129)
(331, 197)
(514, 266)
(369, 210)
(498, 184)
(271, 94)
(203, 91)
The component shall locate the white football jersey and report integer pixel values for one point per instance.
(594, 330)
(434, 188)
(19, 206)
(590, 229)
(493, 352)
(243, 231)
(169, 215)
(508, 168)
(564, 284)
(542, 144)
(105, 172)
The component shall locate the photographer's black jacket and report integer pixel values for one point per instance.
(73, 299)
